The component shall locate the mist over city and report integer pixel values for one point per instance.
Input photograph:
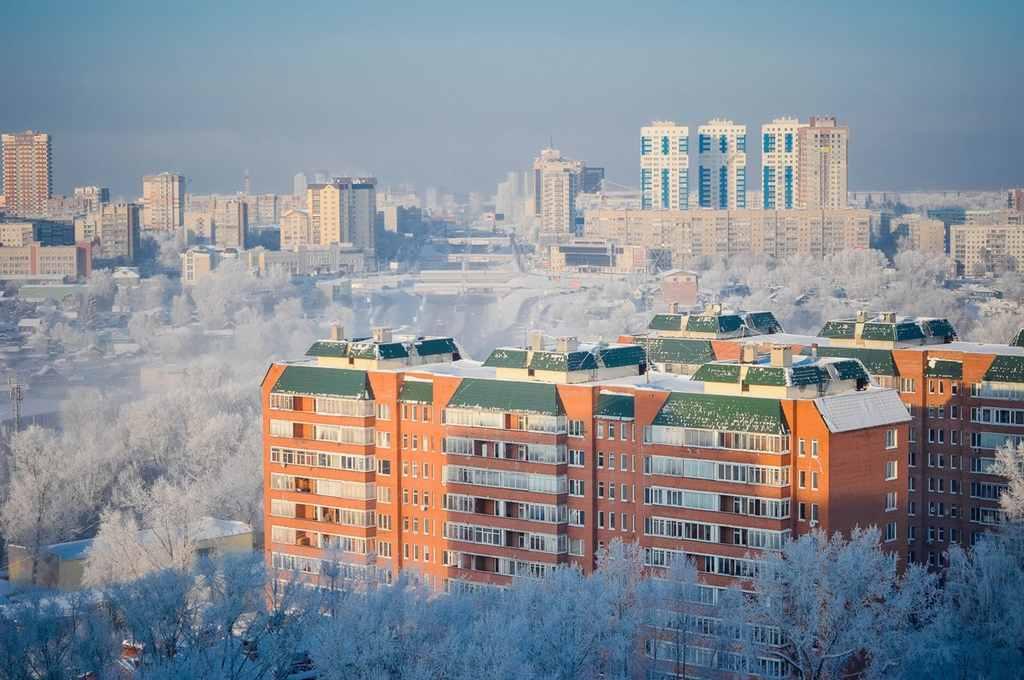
(410, 342)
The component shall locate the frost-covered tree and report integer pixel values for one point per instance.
(839, 605)
(672, 606)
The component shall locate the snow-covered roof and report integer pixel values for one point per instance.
(859, 410)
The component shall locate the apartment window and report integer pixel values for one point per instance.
(281, 428)
(624, 495)
(405, 498)
(600, 489)
(911, 508)
(283, 402)
(611, 461)
(622, 524)
(384, 413)
(625, 432)
(576, 457)
(802, 508)
(383, 467)
(912, 458)
(416, 470)
(890, 439)
(803, 479)
(405, 551)
(907, 385)
(814, 448)
(890, 470)
(801, 448)
(890, 531)
(600, 460)
(954, 412)
(623, 462)
(814, 481)
(600, 519)
(954, 437)
(954, 486)
(383, 439)
(911, 483)
(611, 431)
(611, 490)
(576, 487)
(814, 512)
(890, 501)
(600, 430)
(577, 518)
(576, 428)
(611, 520)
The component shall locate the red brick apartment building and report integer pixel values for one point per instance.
(383, 454)
(965, 400)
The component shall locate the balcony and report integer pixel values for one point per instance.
(550, 454)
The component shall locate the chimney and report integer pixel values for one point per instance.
(713, 309)
(536, 340)
(567, 343)
(337, 331)
(782, 356)
(674, 308)
(381, 334)
(748, 353)
(862, 316)
(814, 350)
(889, 317)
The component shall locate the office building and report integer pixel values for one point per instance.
(597, 257)
(231, 223)
(114, 230)
(557, 182)
(307, 260)
(780, 163)
(722, 164)
(28, 175)
(90, 198)
(915, 232)
(386, 454)
(163, 201)
(688, 234)
(823, 149)
(665, 166)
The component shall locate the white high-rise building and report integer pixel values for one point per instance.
(163, 201)
(665, 166)
(558, 180)
(722, 164)
(780, 163)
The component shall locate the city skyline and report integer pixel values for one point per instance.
(235, 108)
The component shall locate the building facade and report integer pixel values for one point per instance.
(35, 261)
(163, 201)
(985, 248)
(343, 211)
(295, 229)
(28, 175)
(557, 181)
(823, 147)
(113, 228)
(780, 163)
(687, 234)
(665, 166)
(722, 165)
(383, 455)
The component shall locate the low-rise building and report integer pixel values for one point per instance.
(35, 261)
(305, 260)
(603, 257)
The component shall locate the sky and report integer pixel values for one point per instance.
(454, 95)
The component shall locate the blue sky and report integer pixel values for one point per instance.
(455, 94)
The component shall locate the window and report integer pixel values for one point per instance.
(383, 412)
(576, 457)
(802, 448)
(576, 428)
(281, 428)
(624, 462)
(907, 385)
(803, 512)
(611, 520)
(814, 448)
(814, 481)
(600, 429)
(814, 512)
(911, 508)
(576, 487)
(611, 431)
(890, 439)
(890, 501)
(577, 518)
(600, 460)
(600, 519)
(624, 496)
(282, 402)
(803, 479)
(890, 531)
(383, 467)
(890, 470)
(383, 439)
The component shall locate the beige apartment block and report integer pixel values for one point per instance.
(984, 248)
(295, 229)
(28, 174)
(114, 227)
(163, 199)
(823, 163)
(558, 181)
(697, 233)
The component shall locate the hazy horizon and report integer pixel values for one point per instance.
(455, 97)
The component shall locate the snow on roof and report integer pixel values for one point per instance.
(209, 528)
(859, 410)
(463, 368)
(972, 348)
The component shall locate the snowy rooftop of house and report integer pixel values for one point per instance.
(889, 327)
(570, 356)
(382, 345)
(802, 370)
(209, 528)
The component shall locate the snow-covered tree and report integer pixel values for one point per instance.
(839, 606)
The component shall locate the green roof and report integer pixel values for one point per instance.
(431, 346)
(419, 391)
(1009, 369)
(1018, 339)
(707, 323)
(851, 370)
(806, 375)
(721, 373)
(677, 350)
(940, 328)
(764, 322)
(625, 355)
(944, 368)
(318, 381)
(722, 412)
(578, 360)
(615, 406)
(908, 331)
(877, 361)
(507, 358)
(507, 395)
(765, 375)
(392, 350)
(838, 329)
(328, 348)
(666, 322)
